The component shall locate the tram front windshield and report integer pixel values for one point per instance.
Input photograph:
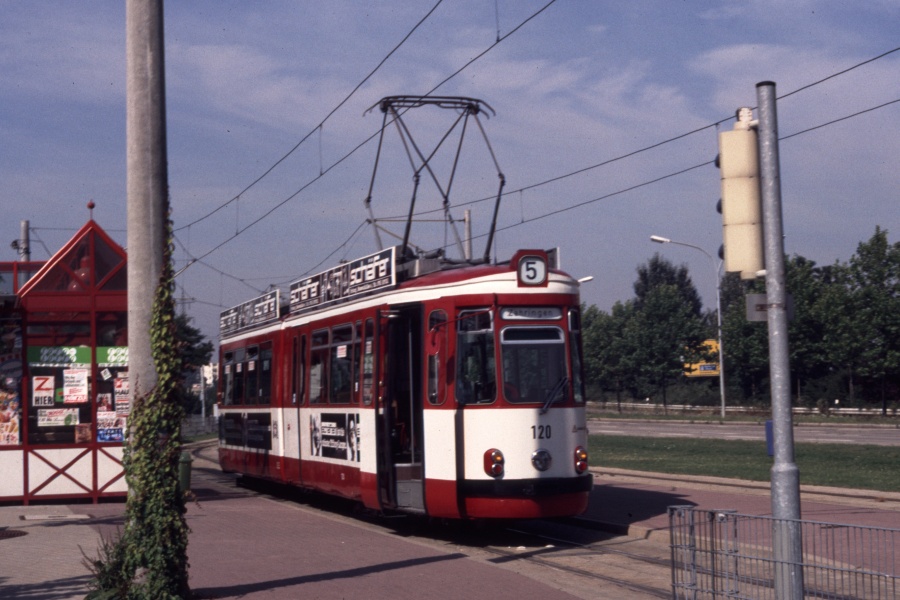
(534, 364)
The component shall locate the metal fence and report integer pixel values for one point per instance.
(723, 554)
(194, 425)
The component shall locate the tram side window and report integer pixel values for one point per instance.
(437, 322)
(240, 371)
(369, 363)
(228, 379)
(265, 373)
(476, 380)
(318, 367)
(341, 364)
(251, 376)
(357, 355)
(576, 346)
(300, 369)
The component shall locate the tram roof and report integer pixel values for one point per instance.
(359, 283)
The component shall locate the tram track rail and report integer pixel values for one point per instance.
(646, 590)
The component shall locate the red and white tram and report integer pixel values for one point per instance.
(454, 391)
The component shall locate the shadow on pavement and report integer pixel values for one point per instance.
(57, 589)
(620, 506)
(248, 588)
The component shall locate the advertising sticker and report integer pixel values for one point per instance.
(335, 435)
(44, 390)
(57, 417)
(110, 427)
(10, 419)
(75, 386)
(122, 395)
(9, 433)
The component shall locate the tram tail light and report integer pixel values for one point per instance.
(493, 462)
(581, 460)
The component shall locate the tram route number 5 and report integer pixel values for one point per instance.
(532, 270)
(540, 432)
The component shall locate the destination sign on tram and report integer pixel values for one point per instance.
(530, 313)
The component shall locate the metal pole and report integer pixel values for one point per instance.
(719, 334)
(203, 395)
(147, 181)
(787, 541)
(716, 269)
(468, 229)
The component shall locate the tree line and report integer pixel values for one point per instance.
(844, 335)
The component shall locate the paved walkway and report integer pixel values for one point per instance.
(635, 503)
(250, 546)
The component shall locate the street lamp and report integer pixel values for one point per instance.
(716, 267)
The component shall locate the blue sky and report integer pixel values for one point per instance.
(578, 85)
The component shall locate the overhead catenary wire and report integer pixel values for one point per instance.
(321, 123)
(191, 260)
(838, 120)
(585, 169)
(355, 148)
(611, 194)
(582, 204)
(675, 173)
(686, 134)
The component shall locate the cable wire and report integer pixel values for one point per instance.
(532, 186)
(356, 148)
(321, 123)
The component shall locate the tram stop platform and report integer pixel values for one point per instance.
(251, 545)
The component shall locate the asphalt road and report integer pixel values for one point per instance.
(825, 434)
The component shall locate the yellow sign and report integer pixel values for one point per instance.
(705, 369)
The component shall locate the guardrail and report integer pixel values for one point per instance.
(723, 554)
(675, 408)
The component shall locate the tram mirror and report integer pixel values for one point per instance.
(436, 338)
(437, 331)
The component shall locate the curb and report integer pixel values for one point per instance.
(759, 423)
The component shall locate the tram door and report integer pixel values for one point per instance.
(402, 434)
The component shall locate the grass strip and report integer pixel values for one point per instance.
(836, 465)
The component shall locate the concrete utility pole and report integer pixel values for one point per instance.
(25, 240)
(147, 180)
(786, 536)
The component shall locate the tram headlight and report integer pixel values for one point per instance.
(581, 460)
(493, 462)
(541, 460)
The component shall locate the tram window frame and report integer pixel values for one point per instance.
(540, 381)
(437, 319)
(368, 366)
(239, 377)
(356, 371)
(341, 365)
(482, 343)
(251, 383)
(298, 382)
(228, 379)
(576, 344)
(266, 372)
(319, 353)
